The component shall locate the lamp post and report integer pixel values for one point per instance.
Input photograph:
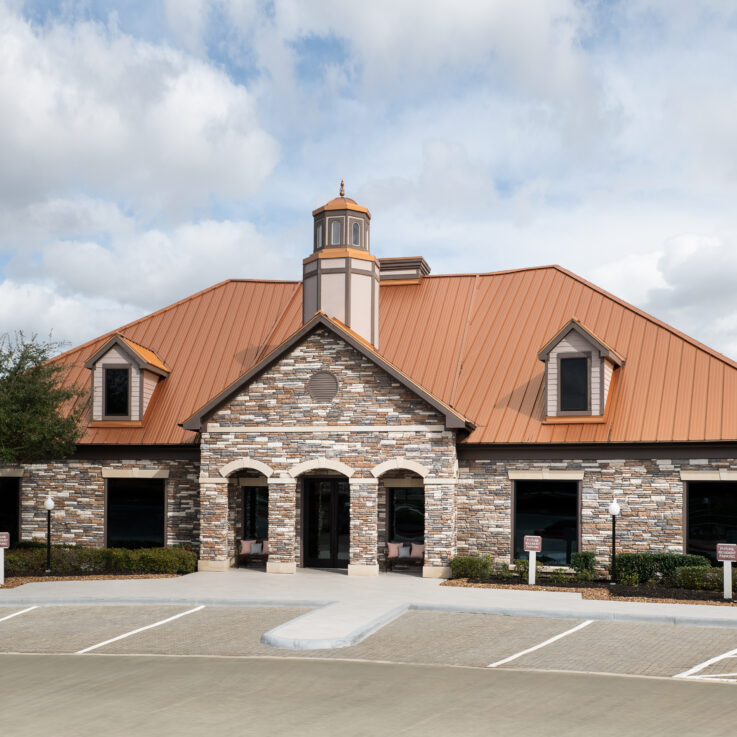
(614, 510)
(48, 506)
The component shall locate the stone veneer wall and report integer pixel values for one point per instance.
(78, 490)
(650, 492)
(367, 395)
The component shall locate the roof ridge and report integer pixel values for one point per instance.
(647, 316)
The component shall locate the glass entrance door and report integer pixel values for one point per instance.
(10, 507)
(327, 522)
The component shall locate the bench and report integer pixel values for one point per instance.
(245, 558)
(409, 560)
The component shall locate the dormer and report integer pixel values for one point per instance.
(578, 372)
(124, 376)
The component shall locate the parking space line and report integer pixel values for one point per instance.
(22, 611)
(692, 672)
(140, 629)
(542, 644)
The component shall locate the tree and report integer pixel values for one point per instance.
(40, 416)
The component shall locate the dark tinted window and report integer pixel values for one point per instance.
(407, 515)
(548, 509)
(116, 391)
(10, 507)
(135, 513)
(574, 384)
(256, 512)
(712, 516)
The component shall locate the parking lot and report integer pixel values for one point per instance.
(416, 637)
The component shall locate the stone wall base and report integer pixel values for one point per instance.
(278, 566)
(436, 571)
(357, 569)
(213, 565)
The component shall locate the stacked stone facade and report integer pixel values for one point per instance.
(78, 490)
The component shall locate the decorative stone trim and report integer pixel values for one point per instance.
(261, 482)
(213, 565)
(246, 464)
(436, 571)
(282, 480)
(356, 569)
(135, 473)
(320, 463)
(340, 429)
(546, 474)
(212, 480)
(15, 473)
(440, 482)
(362, 481)
(721, 474)
(404, 464)
(401, 483)
(277, 566)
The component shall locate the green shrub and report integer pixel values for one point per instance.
(584, 562)
(560, 577)
(68, 561)
(502, 572)
(699, 578)
(638, 568)
(470, 566)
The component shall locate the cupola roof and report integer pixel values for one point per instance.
(342, 203)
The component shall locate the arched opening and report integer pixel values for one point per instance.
(248, 517)
(401, 519)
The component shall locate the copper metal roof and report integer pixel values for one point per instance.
(470, 340)
(342, 203)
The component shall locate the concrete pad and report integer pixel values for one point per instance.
(632, 648)
(159, 697)
(222, 631)
(69, 629)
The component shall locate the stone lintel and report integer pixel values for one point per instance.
(715, 474)
(15, 473)
(212, 480)
(546, 474)
(278, 566)
(357, 569)
(135, 473)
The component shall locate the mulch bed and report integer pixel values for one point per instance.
(603, 591)
(15, 581)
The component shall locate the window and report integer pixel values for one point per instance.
(407, 515)
(712, 516)
(135, 513)
(548, 509)
(116, 392)
(356, 234)
(256, 512)
(574, 384)
(318, 236)
(10, 507)
(335, 233)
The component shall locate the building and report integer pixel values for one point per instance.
(374, 402)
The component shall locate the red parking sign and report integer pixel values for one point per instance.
(4, 539)
(727, 552)
(533, 543)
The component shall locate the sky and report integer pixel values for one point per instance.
(151, 148)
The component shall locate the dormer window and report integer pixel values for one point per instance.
(356, 234)
(124, 377)
(336, 233)
(117, 392)
(578, 372)
(574, 384)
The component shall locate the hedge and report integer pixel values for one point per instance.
(470, 566)
(637, 568)
(583, 562)
(700, 578)
(69, 561)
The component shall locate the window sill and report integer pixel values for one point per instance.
(575, 420)
(114, 423)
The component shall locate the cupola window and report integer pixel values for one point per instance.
(335, 233)
(356, 234)
(318, 236)
(117, 391)
(574, 384)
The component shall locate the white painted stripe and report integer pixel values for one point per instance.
(140, 629)
(22, 611)
(691, 671)
(542, 644)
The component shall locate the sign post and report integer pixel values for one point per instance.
(533, 545)
(4, 543)
(727, 553)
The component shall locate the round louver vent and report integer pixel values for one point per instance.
(322, 386)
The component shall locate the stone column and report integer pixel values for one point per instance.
(213, 524)
(440, 527)
(282, 528)
(364, 528)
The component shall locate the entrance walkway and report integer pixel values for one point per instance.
(346, 609)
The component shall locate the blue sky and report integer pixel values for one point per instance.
(150, 149)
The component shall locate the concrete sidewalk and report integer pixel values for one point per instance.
(347, 609)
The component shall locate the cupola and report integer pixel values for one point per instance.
(341, 277)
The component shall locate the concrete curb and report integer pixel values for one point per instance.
(162, 601)
(272, 638)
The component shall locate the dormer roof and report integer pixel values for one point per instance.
(143, 357)
(576, 325)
